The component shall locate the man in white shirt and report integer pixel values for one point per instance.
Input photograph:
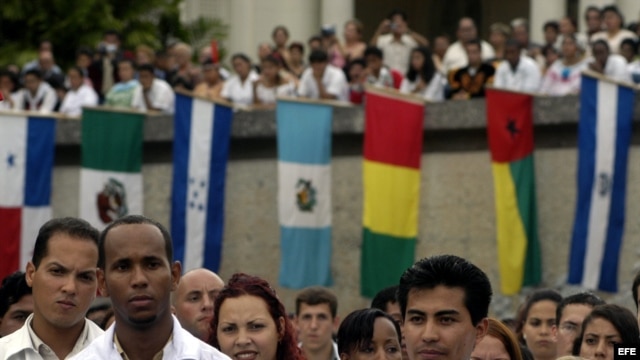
(37, 94)
(610, 65)
(79, 94)
(152, 94)
(456, 55)
(62, 275)
(137, 272)
(396, 41)
(518, 72)
(323, 81)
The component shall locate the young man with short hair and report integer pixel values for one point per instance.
(136, 270)
(316, 320)
(194, 299)
(377, 74)
(517, 72)
(570, 314)
(16, 303)
(62, 275)
(471, 80)
(444, 302)
(322, 80)
(153, 94)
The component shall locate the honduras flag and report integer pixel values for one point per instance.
(304, 192)
(604, 133)
(200, 150)
(27, 146)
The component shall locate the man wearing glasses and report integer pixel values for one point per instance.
(569, 316)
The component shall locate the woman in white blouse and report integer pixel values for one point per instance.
(239, 88)
(271, 83)
(80, 94)
(422, 78)
(564, 76)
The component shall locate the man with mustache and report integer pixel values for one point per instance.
(444, 301)
(62, 275)
(136, 270)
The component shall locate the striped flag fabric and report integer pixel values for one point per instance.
(510, 135)
(111, 176)
(391, 179)
(202, 131)
(604, 135)
(27, 147)
(304, 192)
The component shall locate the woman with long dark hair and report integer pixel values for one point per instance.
(422, 78)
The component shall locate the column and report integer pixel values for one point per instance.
(630, 10)
(241, 29)
(542, 11)
(336, 12)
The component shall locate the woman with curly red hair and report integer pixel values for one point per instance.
(250, 323)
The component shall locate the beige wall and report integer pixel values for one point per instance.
(456, 216)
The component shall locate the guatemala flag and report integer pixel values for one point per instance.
(604, 134)
(200, 151)
(304, 192)
(27, 146)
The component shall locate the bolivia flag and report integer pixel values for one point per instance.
(27, 146)
(391, 177)
(510, 133)
(110, 178)
(202, 131)
(604, 135)
(304, 192)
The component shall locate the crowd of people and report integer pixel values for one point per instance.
(395, 57)
(149, 309)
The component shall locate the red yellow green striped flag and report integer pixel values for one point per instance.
(391, 177)
(510, 133)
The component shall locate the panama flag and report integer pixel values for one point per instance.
(304, 192)
(202, 131)
(604, 135)
(27, 146)
(111, 177)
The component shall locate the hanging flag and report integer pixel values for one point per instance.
(27, 146)
(604, 135)
(510, 133)
(202, 131)
(110, 177)
(304, 193)
(391, 179)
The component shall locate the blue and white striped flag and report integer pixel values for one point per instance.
(200, 151)
(304, 193)
(604, 134)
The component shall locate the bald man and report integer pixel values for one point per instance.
(193, 301)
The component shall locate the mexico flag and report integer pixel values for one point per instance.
(110, 178)
(27, 146)
(510, 133)
(391, 177)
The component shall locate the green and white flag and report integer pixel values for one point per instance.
(111, 178)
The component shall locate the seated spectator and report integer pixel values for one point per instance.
(322, 80)
(615, 31)
(520, 32)
(470, 81)
(499, 33)
(422, 78)
(569, 26)
(153, 94)
(456, 56)
(46, 64)
(84, 59)
(315, 43)
(551, 31)
(238, 89)
(186, 76)
(440, 45)
(629, 49)
(80, 94)
(550, 55)
(593, 20)
(121, 94)
(519, 72)
(331, 43)
(356, 77)
(376, 74)
(564, 76)
(610, 65)
(9, 86)
(45, 45)
(165, 64)
(296, 59)
(264, 50)
(37, 94)
(353, 45)
(271, 83)
(604, 327)
(396, 40)
(280, 36)
(211, 87)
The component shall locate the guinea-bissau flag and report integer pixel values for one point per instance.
(391, 177)
(510, 133)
